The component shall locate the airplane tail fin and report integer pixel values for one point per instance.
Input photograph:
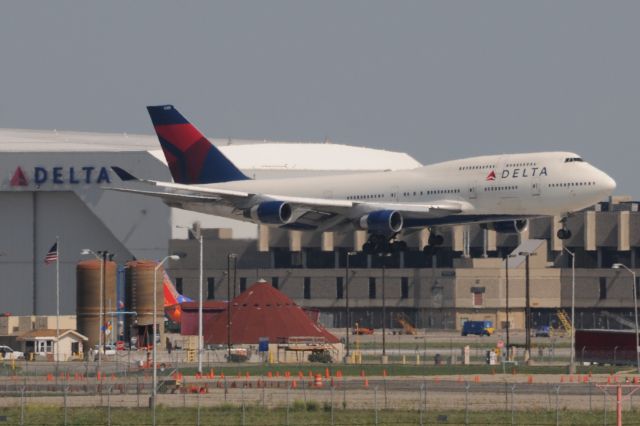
(191, 157)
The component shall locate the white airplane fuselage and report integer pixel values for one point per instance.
(518, 185)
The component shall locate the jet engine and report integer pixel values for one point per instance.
(382, 222)
(270, 212)
(508, 227)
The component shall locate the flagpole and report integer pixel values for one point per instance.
(57, 301)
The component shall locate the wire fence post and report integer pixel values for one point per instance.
(263, 395)
(286, 419)
(384, 383)
(332, 419)
(466, 402)
(109, 406)
(64, 397)
(558, 405)
(198, 409)
(138, 390)
(375, 404)
(421, 406)
(604, 406)
(513, 406)
(344, 393)
(590, 392)
(22, 406)
(243, 408)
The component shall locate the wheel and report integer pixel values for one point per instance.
(436, 240)
(564, 234)
(367, 248)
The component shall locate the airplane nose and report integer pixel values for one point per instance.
(608, 183)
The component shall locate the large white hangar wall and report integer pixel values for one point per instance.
(80, 212)
(58, 198)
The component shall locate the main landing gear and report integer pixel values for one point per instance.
(380, 244)
(564, 233)
(434, 241)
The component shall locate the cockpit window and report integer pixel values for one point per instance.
(572, 159)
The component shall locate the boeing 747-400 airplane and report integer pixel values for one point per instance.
(500, 192)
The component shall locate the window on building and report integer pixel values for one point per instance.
(211, 284)
(274, 282)
(243, 284)
(307, 287)
(372, 288)
(637, 287)
(603, 288)
(477, 299)
(339, 288)
(404, 287)
(179, 285)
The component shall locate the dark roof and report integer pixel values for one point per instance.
(263, 311)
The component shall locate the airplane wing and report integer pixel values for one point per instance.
(319, 214)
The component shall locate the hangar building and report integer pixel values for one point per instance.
(52, 185)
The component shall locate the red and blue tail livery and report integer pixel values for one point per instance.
(191, 157)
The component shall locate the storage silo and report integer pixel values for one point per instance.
(139, 279)
(88, 279)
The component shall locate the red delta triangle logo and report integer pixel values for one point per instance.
(491, 176)
(19, 178)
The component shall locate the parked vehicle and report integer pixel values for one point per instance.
(543, 331)
(7, 353)
(480, 328)
(109, 350)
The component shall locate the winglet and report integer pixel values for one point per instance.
(192, 158)
(124, 175)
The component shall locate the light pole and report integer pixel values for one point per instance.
(506, 260)
(229, 257)
(572, 363)
(635, 310)
(346, 303)
(384, 306)
(197, 233)
(527, 309)
(154, 329)
(102, 257)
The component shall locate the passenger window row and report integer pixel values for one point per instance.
(565, 184)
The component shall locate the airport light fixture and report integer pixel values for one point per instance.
(572, 363)
(346, 301)
(635, 309)
(155, 327)
(527, 309)
(508, 325)
(197, 233)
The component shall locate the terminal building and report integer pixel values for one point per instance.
(465, 279)
(53, 185)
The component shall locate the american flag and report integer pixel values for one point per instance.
(52, 255)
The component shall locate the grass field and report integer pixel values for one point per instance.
(299, 413)
(399, 370)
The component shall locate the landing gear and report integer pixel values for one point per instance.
(434, 241)
(564, 233)
(378, 244)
